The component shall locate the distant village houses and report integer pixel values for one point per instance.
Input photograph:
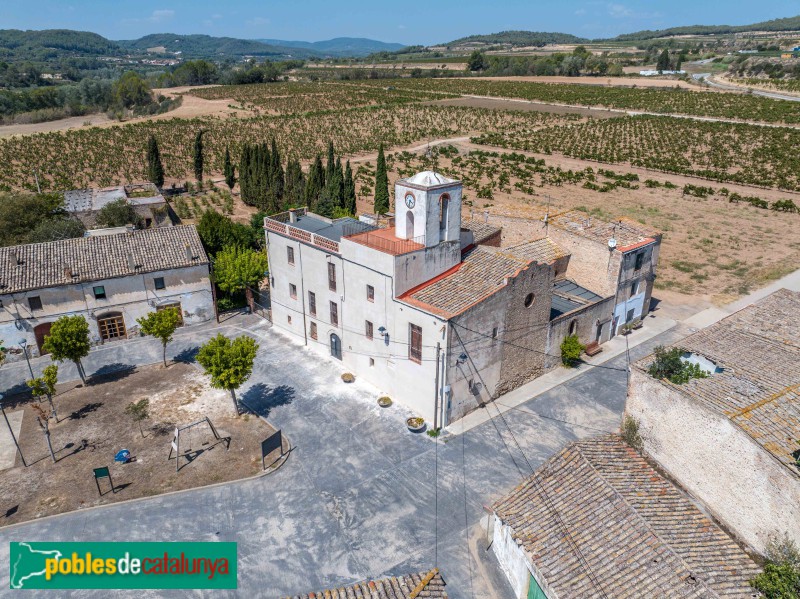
(146, 199)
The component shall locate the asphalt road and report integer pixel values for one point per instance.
(359, 497)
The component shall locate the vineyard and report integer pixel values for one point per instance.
(739, 153)
(663, 101)
(113, 155)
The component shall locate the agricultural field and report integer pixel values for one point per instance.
(664, 101)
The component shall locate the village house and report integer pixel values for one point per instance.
(111, 279)
(430, 309)
(733, 438)
(423, 585)
(145, 198)
(596, 520)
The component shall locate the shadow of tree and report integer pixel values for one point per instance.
(18, 394)
(85, 410)
(263, 399)
(112, 372)
(187, 355)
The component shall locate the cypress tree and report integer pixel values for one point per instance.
(663, 61)
(198, 155)
(349, 190)
(329, 168)
(155, 170)
(277, 179)
(381, 205)
(246, 175)
(295, 184)
(314, 184)
(228, 169)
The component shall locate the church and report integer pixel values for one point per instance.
(426, 309)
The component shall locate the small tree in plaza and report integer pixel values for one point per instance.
(237, 269)
(228, 363)
(45, 386)
(69, 340)
(139, 411)
(161, 324)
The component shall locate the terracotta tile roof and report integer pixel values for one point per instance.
(626, 231)
(638, 534)
(543, 251)
(425, 585)
(70, 261)
(758, 350)
(481, 273)
(481, 231)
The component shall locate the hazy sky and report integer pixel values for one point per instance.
(405, 21)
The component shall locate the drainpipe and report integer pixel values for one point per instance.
(436, 388)
(303, 293)
(443, 386)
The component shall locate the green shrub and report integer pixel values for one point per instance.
(571, 350)
(630, 433)
(668, 364)
(781, 576)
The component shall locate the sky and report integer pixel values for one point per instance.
(406, 21)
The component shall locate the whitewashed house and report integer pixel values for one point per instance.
(111, 277)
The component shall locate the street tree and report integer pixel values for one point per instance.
(240, 269)
(69, 340)
(161, 324)
(228, 363)
(381, 205)
(45, 386)
(139, 411)
(155, 170)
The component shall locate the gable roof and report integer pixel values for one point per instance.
(637, 533)
(758, 388)
(481, 231)
(97, 257)
(627, 232)
(425, 585)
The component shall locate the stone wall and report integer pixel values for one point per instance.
(586, 321)
(736, 478)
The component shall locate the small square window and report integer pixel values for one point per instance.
(290, 255)
(159, 283)
(293, 290)
(639, 261)
(35, 302)
(634, 288)
(99, 292)
(370, 293)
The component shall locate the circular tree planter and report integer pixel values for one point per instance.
(348, 378)
(416, 424)
(384, 401)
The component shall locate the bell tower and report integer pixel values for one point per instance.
(427, 208)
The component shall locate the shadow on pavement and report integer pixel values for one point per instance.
(263, 399)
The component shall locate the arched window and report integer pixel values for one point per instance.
(444, 204)
(409, 225)
(573, 327)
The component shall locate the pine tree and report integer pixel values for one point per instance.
(155, 170)
(198, 155)
(228, 169)
(349, 190)
(381, 205)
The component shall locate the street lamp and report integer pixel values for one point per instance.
(24, 345)
(11, 432)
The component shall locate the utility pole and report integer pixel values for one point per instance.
(11, 432)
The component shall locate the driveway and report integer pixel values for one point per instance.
(360, 496)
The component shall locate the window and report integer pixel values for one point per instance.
(444, 204)
(99, 292)
(289, 318)
(292, 290)
(112, 326)
(334, 314)
(290, 255)
(494, 333)
(528, 300)
(370, 293)
(573, 326)
(35, 303)
(629, 316)
(415, 343)
(331, 276)
(312, 303)
(634, 288)
(368, 330)
(372, 362)
(312, 330)
(639, 261)
(159, 283)
(173, 306)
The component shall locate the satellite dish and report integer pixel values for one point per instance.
(612, 243)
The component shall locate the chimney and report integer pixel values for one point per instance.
(292, 216)
(131, 262)
(189, 254)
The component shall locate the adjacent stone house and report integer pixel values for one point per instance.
(597, 520)
(110, 279)
(733, 439)
(145, 198)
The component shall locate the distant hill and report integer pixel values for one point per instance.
(787, 24)
(206, 46)
(45, 44)
(340, 46)
(518, 39)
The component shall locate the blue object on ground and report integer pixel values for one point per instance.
(123, 455)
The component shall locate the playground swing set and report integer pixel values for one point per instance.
(188, 431)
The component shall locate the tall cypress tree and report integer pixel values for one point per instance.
(295, 184)
(155, 170)
(246, 175)
(330, 166)
(349, 190)
(228, 169)
(381, 205)
(277, 180)
(314, 184)
(198, 155)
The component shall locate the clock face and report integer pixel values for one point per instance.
(410, 201)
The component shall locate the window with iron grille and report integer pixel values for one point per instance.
(368, 330)
(370, 293)
(312, 303)
(334, 314)
(290, 255)
(292, 290)
(112, 326)
(331, 276)
(312, 330)
(414, 343)
(173, 306)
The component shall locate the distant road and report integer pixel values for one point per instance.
(708, 78)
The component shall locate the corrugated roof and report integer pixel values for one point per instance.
(758, 350)
(70, 261)
(425, 585)
(597, 519)
(571, 288)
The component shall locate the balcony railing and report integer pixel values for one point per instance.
(281, 223)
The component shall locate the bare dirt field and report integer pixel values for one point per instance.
(93, 428)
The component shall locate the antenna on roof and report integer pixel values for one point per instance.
(547, 214)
